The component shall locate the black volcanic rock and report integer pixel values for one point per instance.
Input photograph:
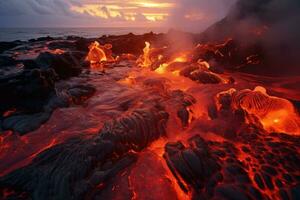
(42, 39)
(6, 61)
(28, 90)
(124, 44)
(82, 44)
(193, 164)
(215, 170)
(26, 94)
(184, 100)
(4, 46)
(65, 65)
(61, 44)
(205, 77)
(24, 121)
(201, 76)
(80, 93)
(31, 93)
(131, 43)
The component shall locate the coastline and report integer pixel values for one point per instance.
(24, 34)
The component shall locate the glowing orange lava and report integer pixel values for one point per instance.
(98, 54)
(275, 114)
(144, 60)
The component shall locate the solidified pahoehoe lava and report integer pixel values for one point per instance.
(71, 169)
(194, 165)
(249, 167)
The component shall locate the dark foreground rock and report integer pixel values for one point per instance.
(65, 65)
(28, 90)
(195, 164)
(71, 169)
(220, 170)
(6, 61)
(25, 121)
(201, 74)
(4, 46)
(206, 77)
(28, 75)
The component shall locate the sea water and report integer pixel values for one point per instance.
(12, 34)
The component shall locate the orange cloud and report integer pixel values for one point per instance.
(150, 11)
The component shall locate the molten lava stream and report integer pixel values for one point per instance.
(99, 54)
(150, 178)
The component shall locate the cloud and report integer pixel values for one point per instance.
(13, 8)
(171, 13)
(132, 11)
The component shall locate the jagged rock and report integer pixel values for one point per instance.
(28, 90)
(193, 164)
(32, 96)
(25, 122)
(65, 65)
(61, 44)
(4, 46)
(82, 44)
(231, 193)
(6, 61)
(295, 192)
(205, 77)
(188, 70)
(185, 100)
(79, 93)
(42, 39)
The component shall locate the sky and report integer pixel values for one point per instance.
(181, 14)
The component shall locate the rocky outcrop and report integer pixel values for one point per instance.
(4, 46)
(24, 121)
(28, 90)
(65, 65)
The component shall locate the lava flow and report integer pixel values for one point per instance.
(99, 54)
(152, 122)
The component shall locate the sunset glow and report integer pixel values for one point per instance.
(148, 11)
(183, 14)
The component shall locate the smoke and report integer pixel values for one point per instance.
(271, 25)
(189, 17)
(197, 15)
(280, 41)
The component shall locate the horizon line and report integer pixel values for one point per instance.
(88, 27)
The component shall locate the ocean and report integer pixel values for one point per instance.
(11, 34)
